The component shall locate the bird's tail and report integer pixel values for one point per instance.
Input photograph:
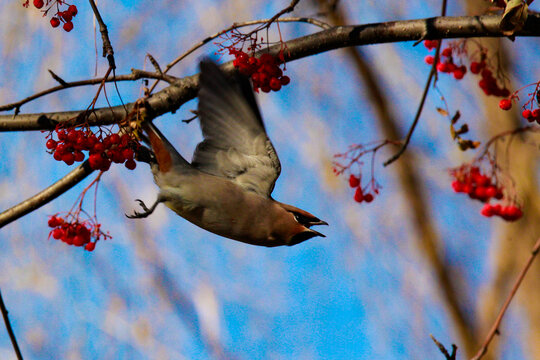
(166, 155)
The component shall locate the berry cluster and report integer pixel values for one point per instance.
(359, 195)
(531, 116)
(264, 71)
(470, 180)
(75, 232)
(508, 213)
(446, 65)
(488, 83)
(65, 16)
(102, 150)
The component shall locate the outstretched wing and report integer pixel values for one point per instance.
(235, 144)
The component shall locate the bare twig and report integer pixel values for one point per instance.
(495, 328)
(135, 75)
(432, 73)
(443, 350)
(57, 78)
(9, 329)
(108, 51)
(46, 195)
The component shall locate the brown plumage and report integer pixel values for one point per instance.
(227, 187)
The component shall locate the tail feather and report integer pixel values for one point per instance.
(166, 155)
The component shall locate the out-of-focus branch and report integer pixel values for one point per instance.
(432, 74)
(46, 195)
(172, 97)
(10, 329)
(428, 239)
(495, 328)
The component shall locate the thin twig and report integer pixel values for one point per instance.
(432, 73)
(9, 329)
(108, 51)
(46, 195)
(234, 26)
(495, 328)
(443, 350)
(135, 75)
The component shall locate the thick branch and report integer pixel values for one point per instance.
(47, 195)
(173, 96)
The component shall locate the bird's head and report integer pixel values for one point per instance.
(301, 221)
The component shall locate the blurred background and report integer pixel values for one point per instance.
(418, 260)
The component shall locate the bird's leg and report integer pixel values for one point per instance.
(147, 211)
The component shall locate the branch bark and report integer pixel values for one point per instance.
(172, 97)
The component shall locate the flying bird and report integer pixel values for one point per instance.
(227, 187)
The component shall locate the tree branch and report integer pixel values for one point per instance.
(135, 75)
(46, 195)
(107, 47)
(9, 329)
(495, 328)
(172, 97)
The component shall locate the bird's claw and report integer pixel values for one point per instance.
(140, 215)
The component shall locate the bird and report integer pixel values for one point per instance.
(227, 187)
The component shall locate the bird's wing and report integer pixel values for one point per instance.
(235, 144)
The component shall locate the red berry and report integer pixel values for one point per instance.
(458, 74)
(78, 156)
(429, 60)
(527, 114)
(487, 210)
(114, 139)
(354, 181)
(128, 153)
(130, 164)
(68, 26)
(266, 88)
(54, 221)
(536, 114)
(505, 104)
(51, 144)
(95, 161)
(99, 147)
(491, 191)
(275, 84)
(57, 234)
(90, 246)
(447, 52)
(476, 67)
(78, 240)
(358, 195)
(72, 9)
(55, 22)
(285, 80)
(457, 186)
(66, 16)
(68, 158)
(38, 3)
(368, 198)
(443, 67)
(266, 59)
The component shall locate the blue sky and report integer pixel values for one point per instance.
(163, 288)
